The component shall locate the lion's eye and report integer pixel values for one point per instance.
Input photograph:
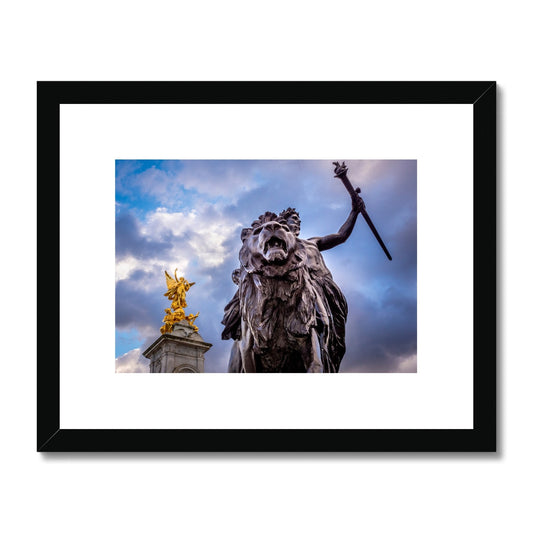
(256, 231)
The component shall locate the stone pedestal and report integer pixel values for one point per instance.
(182, 350)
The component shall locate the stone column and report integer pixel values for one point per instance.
(181, 350)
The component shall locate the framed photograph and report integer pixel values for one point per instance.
(335, 241)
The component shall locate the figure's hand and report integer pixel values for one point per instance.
(357, 203)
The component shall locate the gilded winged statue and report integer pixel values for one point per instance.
(177, 289)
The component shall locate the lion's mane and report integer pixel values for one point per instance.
(281, 302)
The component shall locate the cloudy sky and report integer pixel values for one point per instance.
(189, 214)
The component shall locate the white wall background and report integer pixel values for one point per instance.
(242, 40)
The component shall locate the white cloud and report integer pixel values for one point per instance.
(217, 179)
(125, 266)
(161, 221)
(204, 234)
(407, 364)
(132, 361)
(152, 267)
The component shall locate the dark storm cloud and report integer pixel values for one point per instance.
(379, 335)
(129, 240)
(135, 307)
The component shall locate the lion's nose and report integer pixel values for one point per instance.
(272, 226)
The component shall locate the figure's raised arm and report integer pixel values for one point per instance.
(334, 239)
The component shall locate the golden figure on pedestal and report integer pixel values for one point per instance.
(177, 288)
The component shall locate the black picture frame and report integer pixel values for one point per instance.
(482, 437)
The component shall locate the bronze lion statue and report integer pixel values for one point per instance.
(288, 315)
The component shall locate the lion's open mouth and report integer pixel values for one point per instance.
(275, 249)
(275, 243)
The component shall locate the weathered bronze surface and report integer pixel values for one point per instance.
(288, 315)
